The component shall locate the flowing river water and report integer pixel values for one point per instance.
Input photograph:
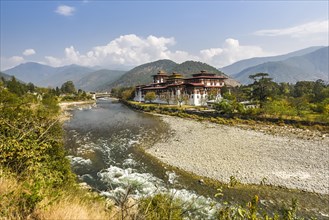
(103, 142)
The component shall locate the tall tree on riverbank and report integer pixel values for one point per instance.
(262, 88)
(68, 88)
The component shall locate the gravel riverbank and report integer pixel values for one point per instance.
(293, 158)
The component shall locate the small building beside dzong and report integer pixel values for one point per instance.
(198, 90)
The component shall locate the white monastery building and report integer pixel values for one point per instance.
(201, 88)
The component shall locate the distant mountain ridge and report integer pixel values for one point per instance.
(43, 75)
(95, 81)
(307, 64)
(47, 76)
(308, 67)
(143, 74)
(31, 72)
(238, 66)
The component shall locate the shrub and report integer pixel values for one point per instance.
(160, 207)
(150, 96)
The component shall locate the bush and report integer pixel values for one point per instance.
(32, 150)
(160, 207)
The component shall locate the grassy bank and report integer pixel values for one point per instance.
(254, 121)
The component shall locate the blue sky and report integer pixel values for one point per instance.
(122, 34)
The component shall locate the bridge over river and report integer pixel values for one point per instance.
(101, 95)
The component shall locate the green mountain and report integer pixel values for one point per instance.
(191, 67)
(241, 65)
(143, 74)
(308, 67)
(97, 80)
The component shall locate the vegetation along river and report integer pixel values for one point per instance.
(105, 143)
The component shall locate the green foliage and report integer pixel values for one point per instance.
(150, 96)
(280, 108)
(233, 181)
(31, 137)
(125, 93)
(229, 107)
(263, 87)
(128, 94)
(252, 212)
(31, 146)
(188, 68)
(289, 212)
(306, 100)
(18, 88)
(68, 88)
(161, 207)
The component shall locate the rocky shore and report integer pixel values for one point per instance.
(280, 156)
(66, 106)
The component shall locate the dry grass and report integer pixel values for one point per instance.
(7, 183)
(73, 207)
(69, 204)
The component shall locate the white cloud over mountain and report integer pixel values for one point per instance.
(230, 52)
(7, 63)
(132, 50)
(65, 10)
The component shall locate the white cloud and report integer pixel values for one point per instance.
(128, 50)
(310, 28)
(28, 52)
(53, 61)
(132, 50)
(7, 63)
(230, 52)
(65, 10)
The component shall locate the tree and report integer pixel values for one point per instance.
(68, 88)
(212, 94)
(303, 88)
(57, 91)
(263, 87)
(31, 87)
(318, 91)
(165, 96)
(128, 93)
(16, 87)
(150, 96)
(183, 98)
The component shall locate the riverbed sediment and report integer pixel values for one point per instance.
(67, 106)
(251, 156)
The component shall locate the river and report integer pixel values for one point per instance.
(103, 142)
